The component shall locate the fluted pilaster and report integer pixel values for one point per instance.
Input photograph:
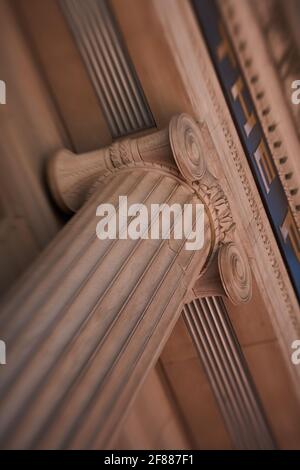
(223, 360)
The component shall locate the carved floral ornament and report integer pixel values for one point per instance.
(182, 151)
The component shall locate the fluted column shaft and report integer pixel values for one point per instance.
(90, 318)
(225, 365)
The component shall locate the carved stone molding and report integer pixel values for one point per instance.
(269, 32)
(217, 201)
(239, 164)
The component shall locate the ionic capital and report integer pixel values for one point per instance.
(183, 149)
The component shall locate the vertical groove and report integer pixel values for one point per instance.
(242, 404)
(227, 389)
(216, 343)
(242, 370)
(215, 378)
(109, 66)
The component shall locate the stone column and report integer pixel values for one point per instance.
(221, 355)
(89, 319)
